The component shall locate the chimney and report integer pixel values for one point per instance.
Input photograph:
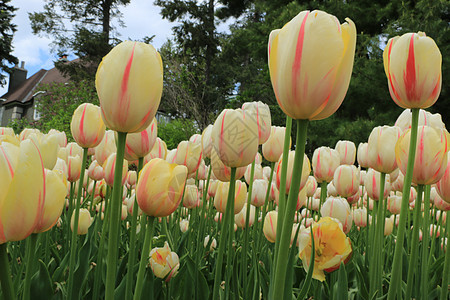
(17, 76)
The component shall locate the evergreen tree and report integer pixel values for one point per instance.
(7, 29)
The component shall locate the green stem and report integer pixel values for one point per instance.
(5, 274)
(73, 243)
(116, 202)
(144, 258)
(288, 220)
(93, 196)
(414, 243)
(246, 228)
(132, 250)
(323, 193)
(223, 237)
(264, 208)
(68, 214)
(230, 252)
(396, 273)
(30, 256)
(446, 273)
(425, 238)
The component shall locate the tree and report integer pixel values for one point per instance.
(7, 29)
(90, 37)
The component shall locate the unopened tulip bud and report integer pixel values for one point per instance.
(84, 221)
(324, 162)
(191, 196)
(259, 190)
(346, 179)
(388, 226)
(140, 144)
(184, 225)
(87, 126)
(240, 217)
(347, 152)
(306, 169)
(95, 171)
(360, 217)
(221, 171)
(261, 113)
(131, 179)
(273, 147)
(381, 148)
(221, 198)
(362, 155)
(270, 226)
(189, 154)
(109, 167)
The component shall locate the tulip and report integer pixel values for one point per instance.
(347, 152)
(55, 194)
(306, 169)
(394, 204)
(362, 155)
(140, 144)
(372, 184)
(273, 147)
(431, 157)
(22, 191)
(221, 171)
(425, 118)
(360, 217)
(394, 175)
(164, 262)
(171, 156)
(48, 146)
(213, 243)
(95, 171)
(7, 131)
(438, 200)
(159, 150)
(388, 226)
(129, 84)
(73, 149)
(27, 131)
(73, 168)
(240, 218)
(301, 199)
(60, 136)
(109, 167)
(84, 221)
(310, 64)
(189, 154)
(235, 137)
(207, 141)
(443, 185)
(270, 226)
(221, 198)
(61, 166)
(381, 148)
(130, 205)
(310, 186)
(332, 247)
(261, 113)
(339, 209)
(87, 126)
(346, 179)
(258, 173)
(331, 190)
(106, 147)
(131, 179)
(160, 187)
(259, 189)
(184, 225)
(412, 64)
(355, 197)
(324, 162)
(191, 196)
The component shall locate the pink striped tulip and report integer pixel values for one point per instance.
(261, 113)
(306, 169)
(425, 118)
(95, 171)
(110, 166)
(310, 64)
(324, 162)
(270, 226)
(273, 147)
(381, 148)
(189, 154)
(87, 126)
(159, 150)
(73, 168)
(347, 152)
(106, 147)
(443, 185)
(339, 209)
(140, 144)
(221, 198)
(346, 180)
(221, 171)
(164, 262)
(412, 64)
(372, 185)
(362, 155)
(129, 84)
(207, 141)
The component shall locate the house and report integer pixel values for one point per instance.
(20, 100)
(23, 94)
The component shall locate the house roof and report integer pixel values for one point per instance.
(25, 91)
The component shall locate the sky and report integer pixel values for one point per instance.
(141, 18)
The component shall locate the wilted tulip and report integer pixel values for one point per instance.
(109, 167)
(347, 152)
(160, 187)
(270, 226)
(339, 209)
(87, 126)
(431, 154)
(235, 137)
(412, 64)
(221, 198)
(346, 180)
(310, 64)
(306, 169)
(324, 162)
(140, 144)
(84, 221)
(261, 113)
(273, 147)
(381, 148)
(332, 247)
(164, 262)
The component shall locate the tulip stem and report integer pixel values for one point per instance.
(144, 257)
(246, 228)
(30, 257)
(425, 238)
(445, 274)
(223, 238)
(230, 254)
(414, 242)
(264, 208)
(323, 193)
(132, 251)
(116, 202)
(73, 243)
(5, 274)
(396, 273)
(288, 219)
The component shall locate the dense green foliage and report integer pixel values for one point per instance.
(7, 29)
(175, 131)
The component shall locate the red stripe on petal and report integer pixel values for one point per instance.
(409, 77)
(296, 66)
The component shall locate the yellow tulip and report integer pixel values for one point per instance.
(84, 221)
(270, 226)
(22, 190)
(60, 136)
(332, 247)
(87, 126)
(160, 187)
(129, 84)
(381, 148)
(273, 147)
(221, 197)
(164, 262)
(310, 64)
(412, 64)
(235, 137)
(221, 171)
(189, 154)
(141, 143)
(7, 131)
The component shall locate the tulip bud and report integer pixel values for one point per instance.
(110, 166)
(259, 190)
(241, 216)
(160, 187)
(306, 169)
(164, 262)
(347, 152)
(270, 226)
(191, 196)
(310, 186)
(235, 137)
(87, 126)
(106, 147)
(221, 198)
(372, 184)
(325, 161)
(412, 64)
(184, 225)
(84, 221)
(360, 217)
(261, 113)
(381, 148)
(273, 147)
(339, 209)
(394, 204)
(73, 150)
(362, 155)
(74, 168)
(189, 154)
(346, 179)
(140, 144)
(159, 150)
(207, 141)
(388, 226)
(129, 84)
(49, 147)
(131, 179)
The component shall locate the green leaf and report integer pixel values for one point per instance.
(342, 283)
(41, 284)
(308, 279)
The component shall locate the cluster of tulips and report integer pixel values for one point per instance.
(124, 192)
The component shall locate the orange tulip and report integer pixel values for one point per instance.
(87, 126)
(129, 84)
(310, 64)
(412, 64)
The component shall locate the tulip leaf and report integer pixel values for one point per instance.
(342, 283)
(308, 278)
(41, 284)
(290, 268)
(83, 267)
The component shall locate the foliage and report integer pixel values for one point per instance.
(7, 29)
(175, 131)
